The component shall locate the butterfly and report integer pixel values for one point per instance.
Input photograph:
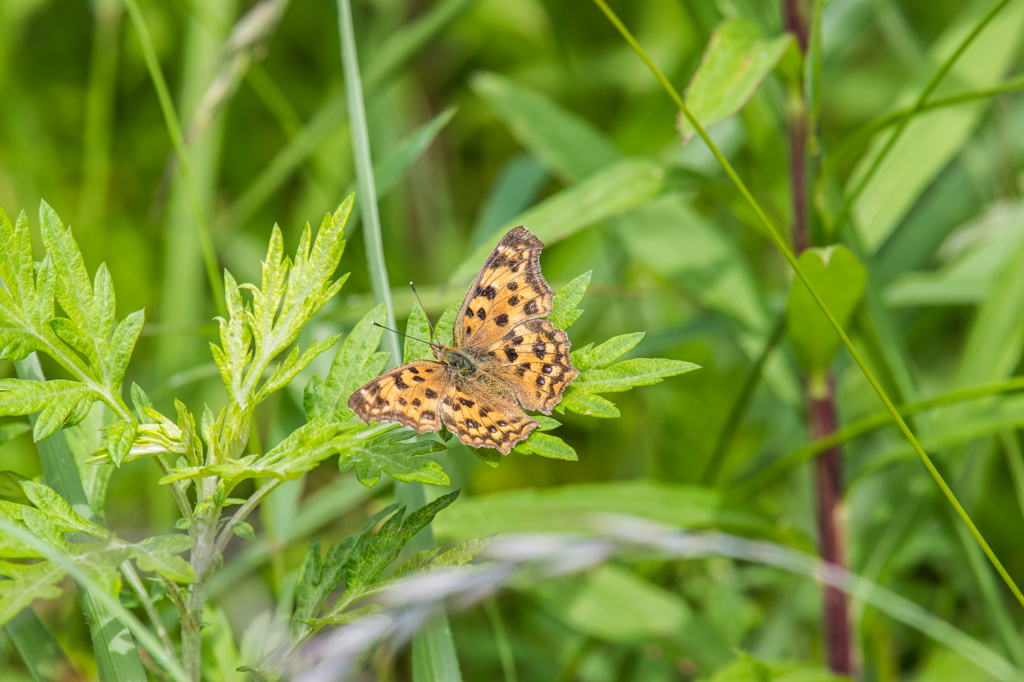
(505, 358)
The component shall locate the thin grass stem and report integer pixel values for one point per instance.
(780, 243)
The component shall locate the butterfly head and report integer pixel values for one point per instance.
(455, 358)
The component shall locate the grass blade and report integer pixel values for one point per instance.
(364, 174)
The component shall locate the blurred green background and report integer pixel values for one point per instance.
(486, 108)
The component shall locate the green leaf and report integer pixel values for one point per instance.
(546, 445)
(401, 461)
(316, 581)
(572, 508)
(418, 327)
(23, 314)
(748, 669)
(564, 143)
(446, 324)
(622, 186)
(160, 554)
(589, 405)
(353, 365)
(243, 530)
(389, 170)
(581, 396)
(735, 62)
(564, 312)
(839, 279)
(371, 557)
(59, 512)
(60, 403)
(614, 604)
(599, 357)
(12, 430)
(120, 436)
(140, 400)
(28, 583)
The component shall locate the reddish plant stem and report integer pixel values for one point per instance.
(828, 478)
(821, 396)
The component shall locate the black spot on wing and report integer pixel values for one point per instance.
(531, 307)
(501, 320)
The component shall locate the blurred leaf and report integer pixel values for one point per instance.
(418, 327)
(931, 140)
(354, 364)
(160, 554)
(546, 445)
(839, 279)
(389, 170)
(514, 190)
(615, 189)
(616, 605)
(567, 145)
(60, 403)
(746, 669)
(564, 312)
(12, 430)
(120, 436)
(401, 461)
(571, 509)
(27, 583)
(735, 62)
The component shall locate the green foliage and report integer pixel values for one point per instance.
(735, 62)
(839, 278)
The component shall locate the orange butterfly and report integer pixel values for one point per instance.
(504, 358)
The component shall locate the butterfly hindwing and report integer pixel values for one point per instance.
(409, 395)
(508, 290)
(483, 418)
(533, 359)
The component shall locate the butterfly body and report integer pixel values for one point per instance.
(504, 358)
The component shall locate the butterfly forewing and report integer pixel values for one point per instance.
(481, 418)
(508, 290)
(533, 359)
(409, 395)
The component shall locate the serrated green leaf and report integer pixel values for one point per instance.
(160, 554)
(418, 327)
(563, 307)
(401, 461)
(193, 447)
(839, 278)
(28, 583)
(599, 357)
(735, 62)
(460, 555)
(546, 445)
(59, 512)
(417, 562)
(590, 405)
(60, 403)
(350, 368)
(488, 456)
(122, 345)
(370, 559)
(120, 436)
(628, 374)
(316, 581)
(243, 530)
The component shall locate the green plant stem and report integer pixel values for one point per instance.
(508, 661)
(243, 512)
(364, 175)
(866, 425)
(178, 141)
(922, 99)
(863, 137)
(739, 408)
(147, 604)
(776, 237)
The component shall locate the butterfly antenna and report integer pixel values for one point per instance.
(376, 324)
(429, 323)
